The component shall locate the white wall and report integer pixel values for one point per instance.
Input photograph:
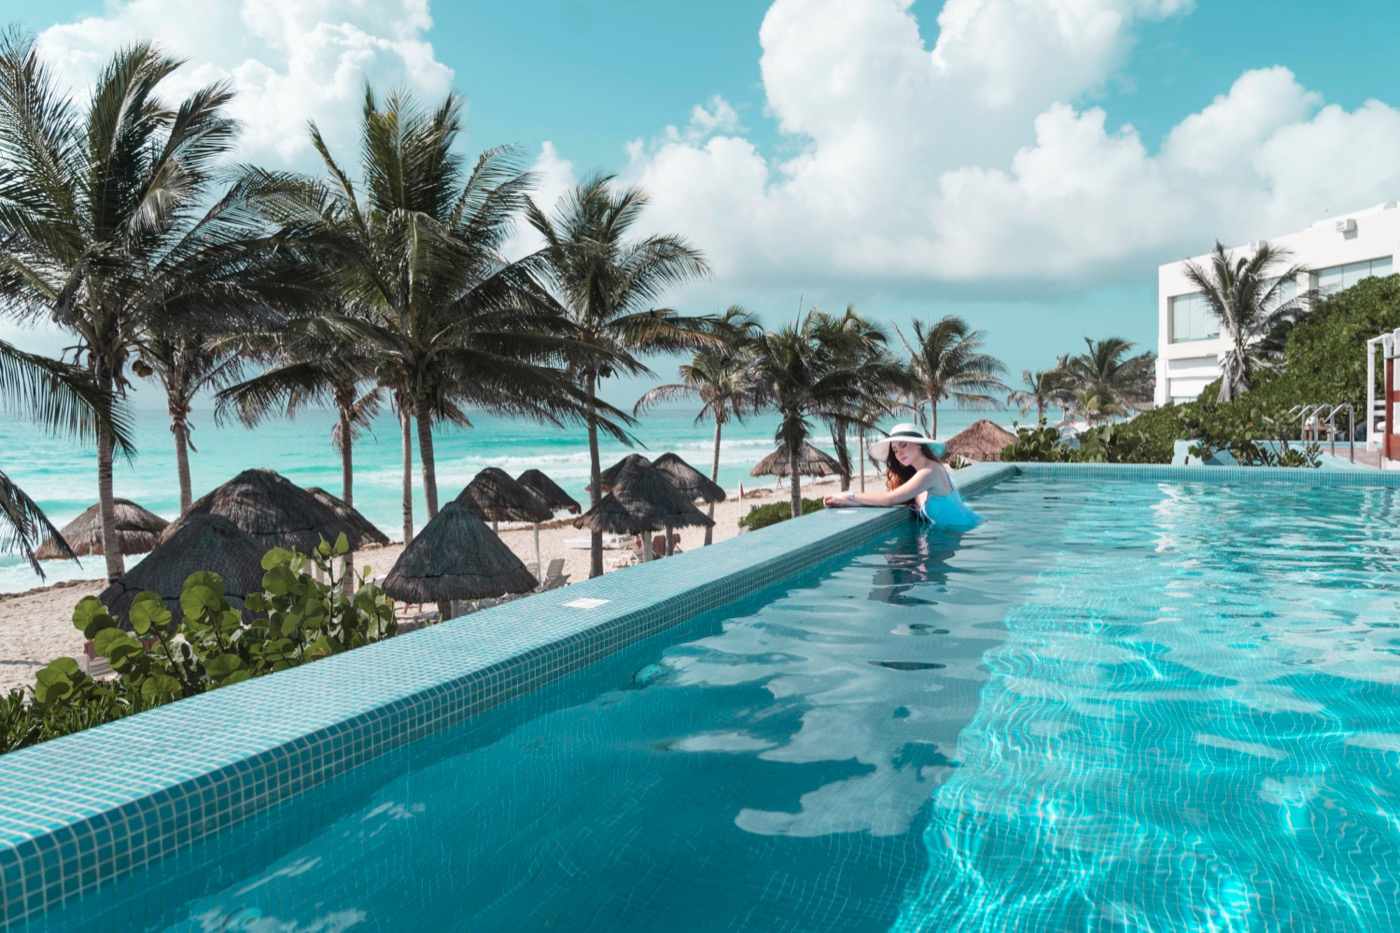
(1183, 369)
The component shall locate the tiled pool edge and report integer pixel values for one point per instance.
(1209, 474)
(84, 809)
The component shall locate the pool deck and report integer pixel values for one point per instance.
(84, 809)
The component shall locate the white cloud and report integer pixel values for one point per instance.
(976, 160)
(288, 60)
(554, 176)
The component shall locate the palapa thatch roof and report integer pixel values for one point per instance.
(369, 532)
(494, 496)
(200, 542)
(691, 482)
(810, 462)
(982, 440)
(456, 556)
(642, 499)
(275, 511)
(548, 490)
(608, 476)
(138, 530)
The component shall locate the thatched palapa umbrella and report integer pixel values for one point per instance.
(642, 499)
(454, 557)
(138, 531)
(200, 542)
(982, 440)
(609, 476)
(494, 496)
(275, 512)
(692, 483)
(810, 462)
(689, 481)
(550, 491)
(369, 532)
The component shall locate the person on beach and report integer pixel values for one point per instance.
(918, 477)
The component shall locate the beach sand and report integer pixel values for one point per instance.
(37, 626)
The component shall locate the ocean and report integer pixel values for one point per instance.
(61, 474)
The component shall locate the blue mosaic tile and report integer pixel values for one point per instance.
(79, 811)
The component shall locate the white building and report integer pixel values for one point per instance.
(1338, 252)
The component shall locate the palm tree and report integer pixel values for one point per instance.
(721, 377)
(308, 368)
(799, 377)
(108, 224)
(1043, 388)
(1246, 295)
(448, 322)
(947, 362)
(1105, 381)
(609, 287)
(64, 399)
(856, 343)
(185, 365)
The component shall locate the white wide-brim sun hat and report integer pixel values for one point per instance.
(906, 434)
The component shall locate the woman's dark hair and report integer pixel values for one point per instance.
(897, 474)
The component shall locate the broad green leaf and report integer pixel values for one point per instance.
(276, 557)
(222, 665)
(342, 545)
(88, 608)
(148, 611)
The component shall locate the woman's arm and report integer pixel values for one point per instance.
(901, 494)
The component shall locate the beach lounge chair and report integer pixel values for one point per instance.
(555, 576)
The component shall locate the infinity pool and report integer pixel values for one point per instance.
(1117, 704)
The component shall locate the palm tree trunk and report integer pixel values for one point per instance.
(406, 429)
(861, 442)
(714, 477)
(843, 455)
(181, 430)
(933, 418)
(347, 492)
(425, 451)
(347, 460)
(595, 476)
(793, 453)
(107, 507)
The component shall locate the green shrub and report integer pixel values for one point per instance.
(297, 618)
(761, 516)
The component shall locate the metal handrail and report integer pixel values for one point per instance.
(1351, 429)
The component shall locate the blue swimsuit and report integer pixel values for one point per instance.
(947, 510)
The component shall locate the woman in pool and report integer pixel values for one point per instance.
(918, 477)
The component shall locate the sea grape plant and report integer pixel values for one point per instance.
(303, 613)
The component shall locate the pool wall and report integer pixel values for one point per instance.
(83, 809)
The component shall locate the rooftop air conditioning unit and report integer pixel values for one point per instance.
(1347, 227)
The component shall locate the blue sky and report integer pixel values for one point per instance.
(935, 225)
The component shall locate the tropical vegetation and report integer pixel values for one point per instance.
(799, 376)
(946, 361)
(63, 399)
(1254, 299)
(114, 227)
(608, 287)
(304, 613)
(721, 377)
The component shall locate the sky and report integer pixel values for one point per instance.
(1026, 164)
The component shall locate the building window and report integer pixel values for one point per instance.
(1192, 319)
(1336, 278)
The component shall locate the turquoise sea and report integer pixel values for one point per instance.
(62, 475)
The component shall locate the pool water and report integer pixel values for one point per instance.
(1114, 705)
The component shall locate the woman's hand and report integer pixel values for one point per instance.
(840, 501)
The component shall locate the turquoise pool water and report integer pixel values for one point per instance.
(1115, 705)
